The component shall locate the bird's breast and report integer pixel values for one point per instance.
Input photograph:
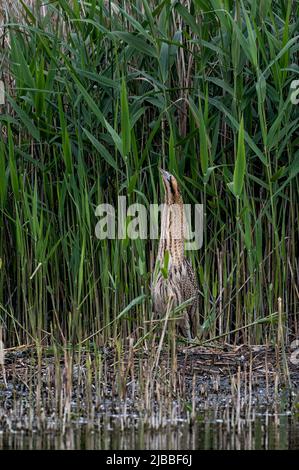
(166, 288)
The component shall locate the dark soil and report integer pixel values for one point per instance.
(200, 378)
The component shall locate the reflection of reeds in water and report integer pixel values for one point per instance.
(108, 391)
(214, 431)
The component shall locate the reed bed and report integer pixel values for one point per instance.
(53, 394)
(98, 95)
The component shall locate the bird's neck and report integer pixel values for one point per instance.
(172, 233)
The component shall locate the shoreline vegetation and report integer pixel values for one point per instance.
(48, 393)
(98, 96)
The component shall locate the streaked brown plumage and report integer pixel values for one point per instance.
(180, 284)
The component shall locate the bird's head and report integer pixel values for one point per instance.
(172, 190)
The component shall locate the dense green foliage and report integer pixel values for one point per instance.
(98, 96)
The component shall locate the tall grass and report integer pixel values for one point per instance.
(98, 96)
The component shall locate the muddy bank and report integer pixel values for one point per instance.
(53, 392)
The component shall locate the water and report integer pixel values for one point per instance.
(261, 431)
(214, 401)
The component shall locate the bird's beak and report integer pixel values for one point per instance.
(165, 175)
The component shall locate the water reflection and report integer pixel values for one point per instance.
(261, 431)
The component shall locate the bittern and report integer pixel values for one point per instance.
(179, 284)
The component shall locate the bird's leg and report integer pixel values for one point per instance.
(184, 326)
(187, 325)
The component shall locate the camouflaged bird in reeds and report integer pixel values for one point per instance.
(180, 284)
